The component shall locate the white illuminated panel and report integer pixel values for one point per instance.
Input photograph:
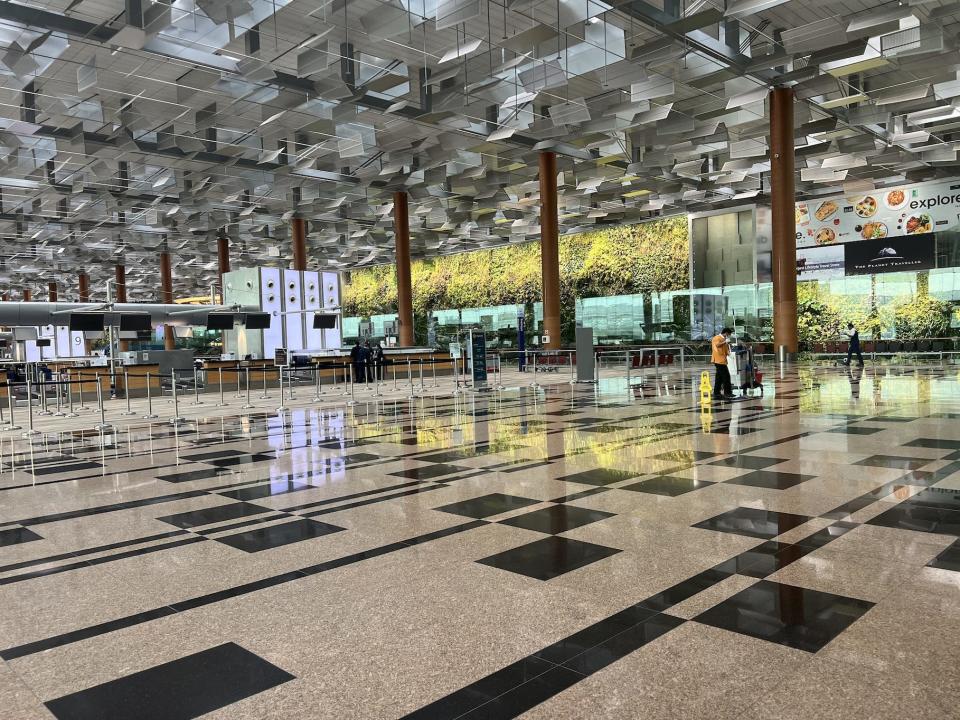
(312, 300)
(271, 301)
(292, 303)
(63, 342)
(331, 301)
(77, 348)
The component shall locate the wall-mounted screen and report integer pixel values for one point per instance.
(25, 333)
(220, 321)
(86, 322)
(324, 322)
(43, 342)
(257, 321)
(137, 321)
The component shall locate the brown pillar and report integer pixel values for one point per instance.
(166, 296)
(223, 261)
(120, 284)
(784, 221)
(299, 240)
(52, 292)
(83, 287)
(549, 253)
(401, 231)
(27, 295)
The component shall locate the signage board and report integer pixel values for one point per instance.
(900, 254)
(455, 350)
(888, 212)
(478, 352)
(820, 263)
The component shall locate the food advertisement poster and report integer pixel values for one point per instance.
(899, 254)
(882, 213)
(820, 263)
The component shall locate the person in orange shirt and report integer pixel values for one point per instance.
(720, 346)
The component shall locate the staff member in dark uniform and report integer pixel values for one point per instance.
(854, 346)
(378, 361)
(357, 361)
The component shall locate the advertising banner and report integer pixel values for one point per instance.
(890, 212)
(820, 263)
(899, 254)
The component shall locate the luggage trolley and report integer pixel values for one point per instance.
(743, 370)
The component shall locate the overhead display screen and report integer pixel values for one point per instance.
(220, 321)
(135, 321)
(86, 322)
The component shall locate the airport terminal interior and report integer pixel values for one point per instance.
(542, 359)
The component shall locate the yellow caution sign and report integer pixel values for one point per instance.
(706, 389)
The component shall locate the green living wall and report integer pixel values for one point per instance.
(644, 258)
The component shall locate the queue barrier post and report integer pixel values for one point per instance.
(103, 425)
(150, 414)
(30, 430)
(281, 408)
(223, 401)
(126, 391)
(176, 402)
(11, 404)
(247, 405)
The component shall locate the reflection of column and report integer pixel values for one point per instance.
(120, 285)
(298, 229)
(549, 252)
(401, 231)
(784, 220)
(166, 296)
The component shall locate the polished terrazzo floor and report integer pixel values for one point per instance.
(560, 552)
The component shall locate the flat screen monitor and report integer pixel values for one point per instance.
(257, 321)
(86, 322)
(324, 322)
(25, 333)
(43, 342)
(135, 321)
(220, 321)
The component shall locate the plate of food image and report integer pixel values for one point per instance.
(866, 207)
(801, 214)
(917, 224)
(873, 231)
(826, 209)
(895, 199)
(825, 236)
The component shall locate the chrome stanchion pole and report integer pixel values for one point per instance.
(223, 401)
(573, 376)
(150, 415)
(316, 392)
(421, 376)
(70, 412)
(534, 383)
(44, 410)
(393, 365)
(30, 430)
(433, 364)
(104, 425)
(126, 391)
(627, 353)
(11, 404)
(263, 374)
(289, 386)
(347, 383)
(409, 376)
(82, 406)
(176, 402)
(59, 412)
(196, 387)
(247, 405)
(281, 408)
(352, 401)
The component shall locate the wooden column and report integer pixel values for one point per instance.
(223, 262)
(83, 293)
(549, 252)
(166, 296)
(120, 295)
(52, 294)
(784, 222)
(401, 231)
(27, 295)
(298, 229)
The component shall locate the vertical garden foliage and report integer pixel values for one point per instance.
(646, 258)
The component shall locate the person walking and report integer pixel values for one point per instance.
(720, 350)
(854, 344)
(378, 361)
(356, 360)
(367, 355)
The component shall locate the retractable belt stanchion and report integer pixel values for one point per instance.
(223, 401)
(627, 354)
(196, 387)
(534, 383)
(352, 400)
(103, 425)
(281, 408)
(11, 404)
(247, 405)
(573, 377)
(347, 383)
(421, 376)
(317, 389)
(433, 363)
(263, 374)
(176, 402)
(393, 364)
(150, 414)
(44, 410)
(80, 376)
(58, 387)
(126, 391)
(289, 385)
(70, 412)
(30, 430)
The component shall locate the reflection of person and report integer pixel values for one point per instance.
(720, 349)
(854, 375)
(854, 345)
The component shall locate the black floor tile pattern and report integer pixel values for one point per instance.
(599, 476)
(683, 455)
(190, 475)
(753, 522)
(667, 485)
(919, 518)
(487, 505)
(549, 558)
(934, 443)
(770, 479)
(556, 518)
(274, 536)
(855, 430)
(793, 616)
(428, 472)
(894, 462)
(67, 467)
(211, 515)
(949, 559)
(747, 462)
(178, 690)
(266, 489)
(17, 536)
